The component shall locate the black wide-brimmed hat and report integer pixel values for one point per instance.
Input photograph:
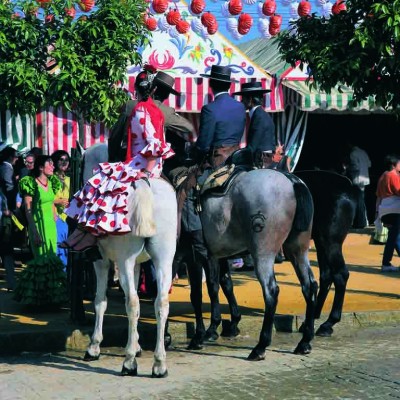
(220, 73)
(251, 88)
(166, 81)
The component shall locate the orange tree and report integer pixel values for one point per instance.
(88, 53)
(357, 47)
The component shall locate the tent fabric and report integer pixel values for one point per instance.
(196, 92)
(291, 127)
(298, 93)
(55, 129)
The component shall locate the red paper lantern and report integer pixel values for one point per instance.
(197, 6)
(243, 31)
(160, 6)
(173, 16)
(70, 12)
(274, 31)
(213, 28)
(304, 8)
(86, 5)
(235, 7)
(245, 21)
(208, 19)
(269, 8)
(182, 26)
(338, 7)
(275, 21)
(151, 24)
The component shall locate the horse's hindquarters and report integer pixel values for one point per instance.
(256, 214)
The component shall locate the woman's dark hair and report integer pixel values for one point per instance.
(36, 151)
(144, 82)
(390, 161)
(56, 157)
(39, 162)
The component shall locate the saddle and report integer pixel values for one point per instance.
(221, 180)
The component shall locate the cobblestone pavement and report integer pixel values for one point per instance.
(354, 364)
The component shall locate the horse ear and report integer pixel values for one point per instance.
(80, 148)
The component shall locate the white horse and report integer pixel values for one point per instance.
(128, 251)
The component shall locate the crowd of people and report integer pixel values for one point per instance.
(35, 188)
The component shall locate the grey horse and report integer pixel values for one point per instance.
(127, 252)
(263, 210)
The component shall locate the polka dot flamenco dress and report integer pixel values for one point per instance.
(101, 206)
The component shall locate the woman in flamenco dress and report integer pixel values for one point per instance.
(42, 282)
(100, 207)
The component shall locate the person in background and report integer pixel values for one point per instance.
(261, 138)
(388, 209)
(356, 169)
(8, 188)
(43, 282)
(61, 161)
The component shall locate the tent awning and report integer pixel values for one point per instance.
(298, 93)
(196, 92)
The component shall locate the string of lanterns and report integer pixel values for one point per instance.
(203, 22)
(238, 23)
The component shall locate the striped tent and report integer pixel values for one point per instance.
(298, 93)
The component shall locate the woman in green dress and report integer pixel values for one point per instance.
(43, 281)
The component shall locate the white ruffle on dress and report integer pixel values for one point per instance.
(101, 205)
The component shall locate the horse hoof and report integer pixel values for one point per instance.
(256, 355)
(89, 357)
(195, 345)
(229, 329)
(167, 341)
(211, 337)
(161, 375)
(324, 331)
(303, 348)
(128, 372)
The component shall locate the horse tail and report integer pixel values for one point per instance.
(305, 206)
(143, 221)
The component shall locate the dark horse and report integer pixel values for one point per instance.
(334, 210)
(262, 210)
(335, 202)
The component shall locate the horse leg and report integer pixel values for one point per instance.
(325, 276)
(231, 329)
(296, 248)
(339, 273)
(264, 268)
(162, 252)
(212, 277)
(128, 275)
(100, 305)
(196, 297)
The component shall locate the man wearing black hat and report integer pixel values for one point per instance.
(174, 123)
(222, 121)
(261, 135)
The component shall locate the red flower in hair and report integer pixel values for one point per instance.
(150, 68)
(142, 76)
